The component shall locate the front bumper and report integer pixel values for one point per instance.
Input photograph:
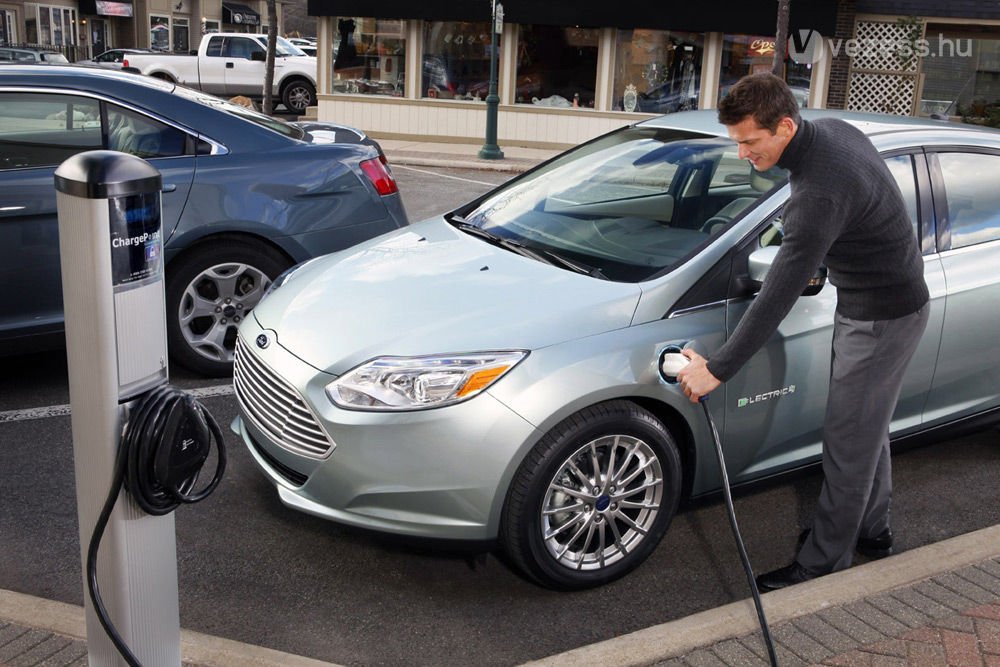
(440, 473)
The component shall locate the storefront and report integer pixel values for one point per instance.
(422, 69)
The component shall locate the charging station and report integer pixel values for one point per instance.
(111, 248)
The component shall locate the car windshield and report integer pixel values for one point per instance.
(245, 113)
(628, 206)
(282, 47)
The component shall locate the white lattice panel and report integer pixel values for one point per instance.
(882, 93)
(878, 47)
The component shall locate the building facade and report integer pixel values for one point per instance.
(85, 28)
(568, 71)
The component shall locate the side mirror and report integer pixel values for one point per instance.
(258, 56)
(760, 262)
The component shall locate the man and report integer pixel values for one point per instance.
(845, 211)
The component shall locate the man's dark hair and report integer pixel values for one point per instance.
(763, 96)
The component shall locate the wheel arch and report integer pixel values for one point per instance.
(189, 242)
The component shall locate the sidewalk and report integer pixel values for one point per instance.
(462, 156)
(935, 605)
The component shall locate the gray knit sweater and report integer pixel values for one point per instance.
(845, 211)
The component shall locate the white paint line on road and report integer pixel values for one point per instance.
(63, 410)
(434, 173)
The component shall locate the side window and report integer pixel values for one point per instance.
(901, 168)
(39, 130)
(970, 185)
(241, 47)
(130, 132)
(214, 49)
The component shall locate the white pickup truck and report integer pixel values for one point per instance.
(231, 64)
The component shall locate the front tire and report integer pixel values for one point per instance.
(594, 497)
(209, 291)
(298, 95)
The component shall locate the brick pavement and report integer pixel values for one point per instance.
(949, 620)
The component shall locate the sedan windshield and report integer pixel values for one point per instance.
(629, 205)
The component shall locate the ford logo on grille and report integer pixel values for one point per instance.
(263, 341)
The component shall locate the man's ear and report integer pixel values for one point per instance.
(786, 128)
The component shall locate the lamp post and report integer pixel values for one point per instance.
(490, 150)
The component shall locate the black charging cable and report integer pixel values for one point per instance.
(164, 443)
(670, 363)
(754, 591)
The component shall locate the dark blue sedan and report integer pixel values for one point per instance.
(245, 196)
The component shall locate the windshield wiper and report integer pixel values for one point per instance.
(541, 254)
(572, 264)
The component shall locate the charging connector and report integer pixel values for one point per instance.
(165, 441)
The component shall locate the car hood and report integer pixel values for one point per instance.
(431, 288)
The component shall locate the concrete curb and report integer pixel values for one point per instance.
(196, 649)
(511, 166)
(676, 638)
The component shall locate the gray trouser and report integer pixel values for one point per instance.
(869, 360)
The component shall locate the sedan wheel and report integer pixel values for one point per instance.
(210, 291)
(593, 499)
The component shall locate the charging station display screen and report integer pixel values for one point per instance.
(136, 240)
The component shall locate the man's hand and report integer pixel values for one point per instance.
(695, 378)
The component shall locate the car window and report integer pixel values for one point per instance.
(39, 130)
(131, 132)
(973, 198)
(241, 47)
(901, 168)
(631, 204)
(214, 48)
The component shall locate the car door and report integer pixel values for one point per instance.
(39, 131)
(967, 378)
(775, 405)
(243, 75)
(212, 66)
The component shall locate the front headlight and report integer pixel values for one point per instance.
(414, 383)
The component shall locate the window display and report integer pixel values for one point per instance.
(370, 56)
(556, 66)
(749, 54)
(963, 78)
(456, 60)
(657, 71)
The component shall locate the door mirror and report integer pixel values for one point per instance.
(760, 262)
(258, 56)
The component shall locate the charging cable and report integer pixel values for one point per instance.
(164, 444)
(671, 363)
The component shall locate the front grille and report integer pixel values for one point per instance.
(290, 474)
(276, 407)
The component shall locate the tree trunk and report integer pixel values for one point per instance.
(780, 39)
(272, 40)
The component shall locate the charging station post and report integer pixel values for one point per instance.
(111, 248)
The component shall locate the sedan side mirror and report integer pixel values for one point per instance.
(760, 262)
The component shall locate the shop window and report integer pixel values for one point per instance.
(210, 26)
(962, 73)
(181, 41)
(456, 61)
(750, 54)
(556, 66)
(159, 33)
(8, 30)
(370, 57)
(657, 71)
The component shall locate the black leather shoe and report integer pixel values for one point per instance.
(870, 547)
(876, 547)
(785, 576)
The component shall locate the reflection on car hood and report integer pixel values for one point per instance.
(430, 289)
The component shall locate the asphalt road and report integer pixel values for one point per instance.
(254, 571)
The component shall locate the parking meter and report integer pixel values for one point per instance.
(111, 249)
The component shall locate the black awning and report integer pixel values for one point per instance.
(747, 17)
(238, 14)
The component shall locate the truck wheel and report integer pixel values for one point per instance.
(209, 291)
(298, 95)
(591, 501)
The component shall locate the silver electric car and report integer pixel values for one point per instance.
(492, 373)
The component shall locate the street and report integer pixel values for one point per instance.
(254, 571)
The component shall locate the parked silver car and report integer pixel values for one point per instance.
(492, 373)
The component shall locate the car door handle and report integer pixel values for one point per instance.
(230, 65)
(169, 187)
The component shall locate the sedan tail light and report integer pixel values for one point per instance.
(377, 172)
